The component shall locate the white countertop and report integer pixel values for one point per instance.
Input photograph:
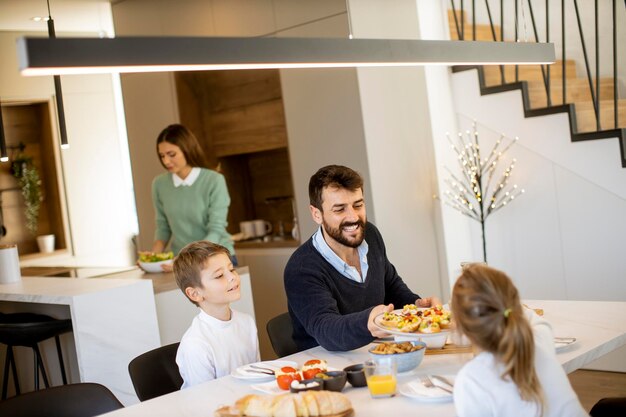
(597, 334)
(60, 290)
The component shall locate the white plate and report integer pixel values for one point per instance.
(562, 343)
(154, 267)
(244, 372)
(416, 390)
(377, 323)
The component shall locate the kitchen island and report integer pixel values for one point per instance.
(114, 320)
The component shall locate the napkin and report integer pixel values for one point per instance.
(419, 389)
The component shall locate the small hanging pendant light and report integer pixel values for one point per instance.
(57, 89)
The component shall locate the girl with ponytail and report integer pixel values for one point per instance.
(515, 371)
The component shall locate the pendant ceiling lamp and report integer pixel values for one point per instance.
(61, 56)
(4, 157)
(57, 89)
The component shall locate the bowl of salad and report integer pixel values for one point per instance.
(151, 261)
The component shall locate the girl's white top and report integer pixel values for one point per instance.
(480, 391)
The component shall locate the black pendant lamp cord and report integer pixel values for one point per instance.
(57, 88)
(4, 157)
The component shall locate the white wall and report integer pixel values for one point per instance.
(563, 239)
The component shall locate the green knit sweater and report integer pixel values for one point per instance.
(189, 213)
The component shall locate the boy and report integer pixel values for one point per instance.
(219, 339)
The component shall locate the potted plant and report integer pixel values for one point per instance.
(27, 175)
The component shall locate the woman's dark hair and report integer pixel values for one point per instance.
(182, 137)
(337, 176)
(486, 308)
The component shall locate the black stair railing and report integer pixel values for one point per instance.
(594, 89)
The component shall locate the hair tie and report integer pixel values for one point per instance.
(507, 313)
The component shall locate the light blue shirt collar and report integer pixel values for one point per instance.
(343, 268)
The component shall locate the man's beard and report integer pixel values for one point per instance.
(338, 236)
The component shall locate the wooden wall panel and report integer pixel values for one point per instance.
(30, 124)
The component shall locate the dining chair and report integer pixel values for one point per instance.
(155, 373)
(280, 331)
(73, 400)
(609, 407)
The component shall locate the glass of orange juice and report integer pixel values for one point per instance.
(381, 377)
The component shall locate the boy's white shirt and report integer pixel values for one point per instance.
(479, 390)
(212, 348)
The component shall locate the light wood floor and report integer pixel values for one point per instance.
(594, 385)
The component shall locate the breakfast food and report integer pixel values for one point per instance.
(412, 319)
(155, 257)
(304, 404)
(390, 348)
(285, 376)
(313, 367)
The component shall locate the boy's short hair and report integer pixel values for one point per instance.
(191, 260)
(332, 176)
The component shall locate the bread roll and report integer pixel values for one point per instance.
(311, 403)
(301, 408)
(303, 404)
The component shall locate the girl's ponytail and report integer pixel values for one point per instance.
(487, 309)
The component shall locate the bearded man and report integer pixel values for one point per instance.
(340, 279)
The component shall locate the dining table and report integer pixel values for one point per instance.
(598, 328)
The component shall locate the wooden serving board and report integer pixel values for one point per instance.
(449, 348)
(227, 411)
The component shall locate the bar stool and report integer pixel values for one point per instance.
(28, 329)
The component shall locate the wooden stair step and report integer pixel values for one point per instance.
(527, 72)
(483, 33)
(577, 90)
(586, 118)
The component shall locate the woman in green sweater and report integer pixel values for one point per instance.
(190, 201)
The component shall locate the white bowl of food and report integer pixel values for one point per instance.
(151, 262)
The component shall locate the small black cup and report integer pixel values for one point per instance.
(356, 376)
(319, 387)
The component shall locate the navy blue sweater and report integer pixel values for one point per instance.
(331, 310)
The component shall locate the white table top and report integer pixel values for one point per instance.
(596, 334)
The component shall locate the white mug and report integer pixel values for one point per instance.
(247, 229)
(262, 228)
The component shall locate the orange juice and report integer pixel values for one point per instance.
(382, 385)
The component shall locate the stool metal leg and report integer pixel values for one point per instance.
(61, 364)
(16, 381)
(39, 362)
(5, 376)
(10, 362)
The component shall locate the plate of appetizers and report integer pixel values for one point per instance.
(412, 320)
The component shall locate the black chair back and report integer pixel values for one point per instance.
(155, 373)
(74, 400)
(280, 332)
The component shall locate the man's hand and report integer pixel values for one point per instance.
(428, 302)
(379, 309)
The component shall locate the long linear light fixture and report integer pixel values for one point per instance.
(62, 56)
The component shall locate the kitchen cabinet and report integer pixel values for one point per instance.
(268, 291)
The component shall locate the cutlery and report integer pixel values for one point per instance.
(443, 379)
(258, 371)
(429, 384)
(262, 368)
(564, 339)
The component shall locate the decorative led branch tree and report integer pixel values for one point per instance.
(473, 194)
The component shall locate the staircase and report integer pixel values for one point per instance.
(532, 81)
